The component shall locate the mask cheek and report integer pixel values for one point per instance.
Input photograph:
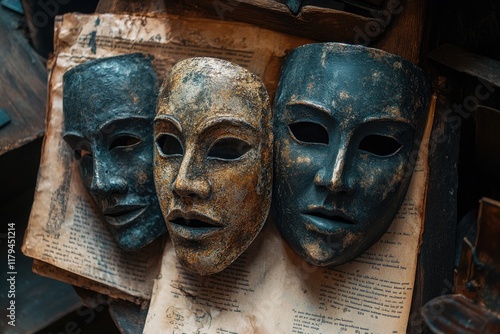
(380, 178)
(292, 163)
(85, 169)
(394, 180)
(163, 179)
(235, 193)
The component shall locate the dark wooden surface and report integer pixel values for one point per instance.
(129, 318)
(40, 19)
(409, 37)
(23, 86)
(39, 300)
(405, 34)
(463, 61)
(322, 24)
(437, 253)
(131, 6)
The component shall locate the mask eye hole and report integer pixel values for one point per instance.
(309, 132)
(79, 153)
(380, 145)
(228, 149)
(124, 141)
(169, 145)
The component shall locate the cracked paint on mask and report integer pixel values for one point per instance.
(213, 161)
(109, 105)
(347, 119)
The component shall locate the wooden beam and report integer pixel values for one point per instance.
(23, 87)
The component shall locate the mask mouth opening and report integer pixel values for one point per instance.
(336, 218)
(122, 210)
(193, 223)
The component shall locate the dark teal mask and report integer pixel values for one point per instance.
(109, 105)
(348, 123)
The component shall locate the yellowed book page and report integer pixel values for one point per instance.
(65, 230)
(269, 289)
(50, 271)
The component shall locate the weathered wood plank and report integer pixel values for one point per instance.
(23, 87)
(131, 6)
(405, 34)
(318, 23)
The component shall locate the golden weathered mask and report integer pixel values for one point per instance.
(213, 161)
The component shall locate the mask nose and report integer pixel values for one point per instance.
(188, 182)
(334, 176)
(105, 183)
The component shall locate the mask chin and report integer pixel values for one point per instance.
(138, 234)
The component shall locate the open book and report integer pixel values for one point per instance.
(65, 235)
(269, 289)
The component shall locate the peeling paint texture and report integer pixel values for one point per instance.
(109, 105)
(213, 161)
(347, 119)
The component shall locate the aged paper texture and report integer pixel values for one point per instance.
(270, 289)
(65, 233)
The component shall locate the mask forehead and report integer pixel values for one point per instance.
(354, 82)
(201, 88)
(97, 92)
